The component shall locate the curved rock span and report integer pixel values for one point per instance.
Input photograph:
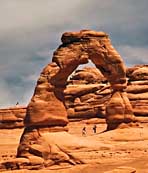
(46, 115)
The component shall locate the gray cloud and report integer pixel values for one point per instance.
(30, 31)
(130, 54)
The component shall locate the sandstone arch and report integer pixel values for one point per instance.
(46, 109)
(76, 49)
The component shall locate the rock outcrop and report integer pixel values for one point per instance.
(12, 117)
(87, 75)
(137, 89)
(87, 94)
(47, 105)
(46, 116)
(84, 100)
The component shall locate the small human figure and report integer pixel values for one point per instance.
(84, 131)
(95, 128)
(17, 103)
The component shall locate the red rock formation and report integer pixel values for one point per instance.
(117, 109)
(12, 117)
(137, 89)
(85, 101)
(87, 75)
(84, 97)
(138, 72)
(46, 109)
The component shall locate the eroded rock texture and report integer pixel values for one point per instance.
(46, 114)
(87, 94)
(87, 97)
(12, 117)
(137, 89)
(87, 75)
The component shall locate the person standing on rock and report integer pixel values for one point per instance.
(95, 128)
(84, 131)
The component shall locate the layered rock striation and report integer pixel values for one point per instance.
(86, 95)
(137, 89)
(88, 98)
(46, 115)
(13, 117)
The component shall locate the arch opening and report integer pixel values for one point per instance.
(47, 108)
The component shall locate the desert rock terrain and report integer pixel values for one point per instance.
(95, 122)
(124, 147)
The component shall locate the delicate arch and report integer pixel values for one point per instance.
(46, 111)
(47, 104)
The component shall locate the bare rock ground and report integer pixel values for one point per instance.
(123, 150)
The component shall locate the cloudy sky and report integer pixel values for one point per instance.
(30, 31)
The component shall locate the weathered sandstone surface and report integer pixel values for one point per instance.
(46, 115)
(120, 149)
(12, 117)
(85, 99)
(47, 106)
(137, 89)
(86, 95)
(45, 141)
